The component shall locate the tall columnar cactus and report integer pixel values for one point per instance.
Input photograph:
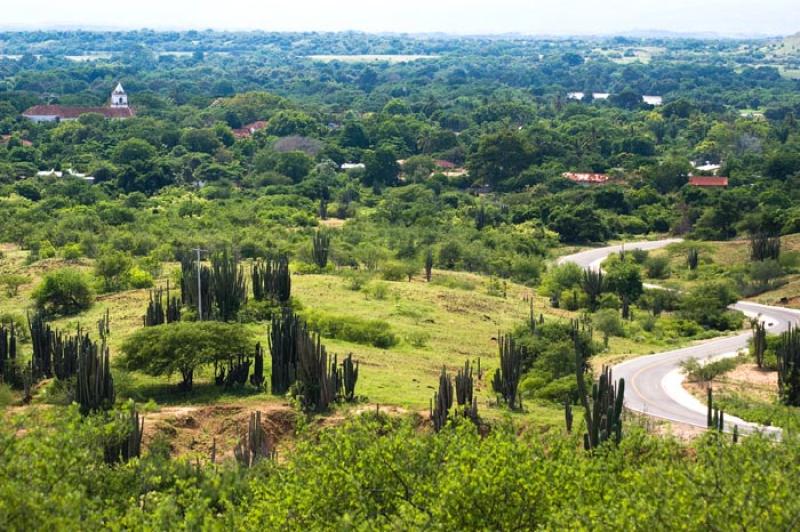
(122, 449)
(104, 325)
(788, 355)
(442, 401)
(271, 280)
(507, 376)
(593, 284)
(155, 314)
(759, 340)
(189, 286)
(464, 385)
(95, 385)
(254, 445)
(257, 378)
(428, 264)
(228, 285)
(693, 258)
(349, 378)
(603, 411)
(320, 248)
(316, 380)
(763, 247)
(8, 355)
(42, 340)
(710, 407)
(283, 350)
(568, 417)
(66, 352)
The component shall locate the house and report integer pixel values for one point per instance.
(707, 167)
(708, 181)
(586, 178)
(353, 166)
(116, 109)
(70, 172)
(246, 131)
(445, 165)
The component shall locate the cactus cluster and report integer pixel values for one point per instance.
(764, 247)
(104, 325)
(593, 284)
(464, 385)
(507, 376)
(189, 286)
(715, 417)
(603, 411)
(228, 284)
(95, 385)
(442, 401)
(122, 449)
(42, 338)
(254, 445)
(8, 355)
(271, 280)
(568, 417)
(788, 355)
(320, 248)
(162, 308)
(300, 359)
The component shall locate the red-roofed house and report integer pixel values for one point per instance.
(249, 129)
(447, 165)
(585, 178)
(708, 181)
(117, 109)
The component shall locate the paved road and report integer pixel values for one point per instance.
(653, 383)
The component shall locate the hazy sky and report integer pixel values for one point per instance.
(451, 16)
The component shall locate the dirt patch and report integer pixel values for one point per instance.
(333, 223)
(197, 429)
(745, 380)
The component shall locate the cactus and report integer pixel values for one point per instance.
(736, 434)
(693, 258)
(254, 445)
(788, 356)
(568, 416)
(442, 401)
(604, 412)
(320, 248)
(759, 329)
(8, 355)
(283, 350)
(189, 295)
(764, 247)
(42, 340)
(238, 370)
(271, 280)
(129, 446)
(593, 285)
(316, 380)
(710, 407)
(349, 378)
(507, 376)
(428, 264)
(257, 378)
(464, 385)
(95, 385)
(228, 285)
(104, 326)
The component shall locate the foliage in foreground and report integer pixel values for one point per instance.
(381, 473)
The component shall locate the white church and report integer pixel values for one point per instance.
(117, 108)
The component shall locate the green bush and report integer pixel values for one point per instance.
(138, 278)
(709, 371)
(66, 291)
(393, 271)
(351, 329)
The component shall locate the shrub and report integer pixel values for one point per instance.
(71, 252)
(657, 267)
(66, 291)
(393, 271)
(418, 339)
(351, 329)
(138, 278)
(377, 290)
(12, 282)
(453, 281)
(698, 372)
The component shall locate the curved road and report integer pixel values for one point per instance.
(654, 383)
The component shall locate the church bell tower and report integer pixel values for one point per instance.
(119, 98)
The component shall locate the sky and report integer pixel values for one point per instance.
(538, 17)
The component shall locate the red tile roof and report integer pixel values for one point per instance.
(708, 181)
(65, 112)
(245, 131)
(585, 178)
(441, 163)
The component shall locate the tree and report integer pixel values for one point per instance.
(625, 280)
(183, 347)
(707, 304)
(113, 267)
(66, 291)
(381, 167)
(12, 282)
(576, 225)
(608, 322)
(133, 152)
(500, 156)
(201, 140)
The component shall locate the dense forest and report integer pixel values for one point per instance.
(356, 236)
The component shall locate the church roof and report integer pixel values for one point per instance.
(65, 112)
(119, 89)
